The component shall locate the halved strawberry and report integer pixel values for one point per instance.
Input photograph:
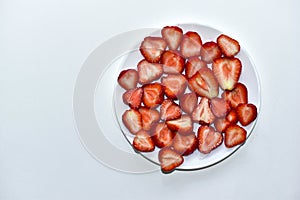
(208, 139)
(202, 113)
(193, 65)
(229, 47)
(143, 142)
(128, 79)
(227, 72)
(188, 102)
(149, 117)
(235, 135)
(190, 44)
(169, 110)
(132, 119)
(152, 48)
(162, 135)
(153, 95)
(169, 159)
(236, 96)
(174, 85)
(172, 62)
(183, 125)
(133, 97)
(222, 123)
(173, 36)
(219, 107)
(204, 83)
(149, 72)
(185, 144)
(210, 51)
(232, 117)
(246, 113)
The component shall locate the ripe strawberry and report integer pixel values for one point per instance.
(193, 65)
(174, 85)
(169, 110)
(232, 117)
(208, 139)
(172, 62)
(222, 123)
(246, 113)
(188, 102)
(236, 96)
(202, 113)
(185, 144)
(234, 135)
(132, 119)
(227, 72)
(153, 95)
(219, 107)
(128, 79)
(183, 125)
(133, 97)
(228, 46)
(210, 51)
(143, 142)
(149, 117)
(149, 72)
(191, 44)
(204, 83)
(173, 36)
(169, 159)
(162, 135)
(152, 48)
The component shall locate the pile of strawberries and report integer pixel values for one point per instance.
(178, 84)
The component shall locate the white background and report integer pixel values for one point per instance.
(42, 47)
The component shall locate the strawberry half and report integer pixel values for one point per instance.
(132, 119)
(133, 97)
(174, 85)
(208, 139)
(191, 44)
(202, 113)
(185, 144)
(210, 51)
(236, 96)
(188, 102)
(222, 123)
(183, 125)
(128, 79)
(228, 46)
(142, 142)
(219, 107)
(169, 159)
(169, 110)
(247, 113)
(152, 48)
(173, 36)
(227, 71)
(193, 65)
(149, 117)
(172, 62)
(153, 95)
(162, 135)
(234, 135)
(149, 72)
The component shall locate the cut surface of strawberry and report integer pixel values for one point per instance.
(174, 85)
(185, 144)
(234, 135)
(132, 120)
(152, 48)
(183, 125)
(202, 113)
(210, 51)
(143, 142)
(229, 46)
(247, 113)
(162, 135)
(153, 95)
(219, 107)
(133, 97)
(208, 139)
(188, 102)
(128, 79)
(169, 110)
(169, 159)
(148, 72)
(222, 123)
(149, 117)
(193, 65)
(173, 36)
(191, 44)
(172, 62)
(236, 96)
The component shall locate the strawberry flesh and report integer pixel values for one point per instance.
(172, 62)
(183, 125)
(152, 48)
(210, 51)
(169, 110)
(246, 113)
(208, 139)
(236, 96)
(153, 95)
(191, 44)
(132, 120)
(169, 159)
(188, 102)
(149, 117)
(202, 113)
(133, 97)
(174, 85)
(128, 79)
(185, 144)
(234, 135)
(162, 135)
(173, 36)
(143, 142)
(228, 46)
(193, 65)
(148, 72)
(219, 107)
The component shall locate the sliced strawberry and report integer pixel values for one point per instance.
(143, 142)
(202, 113)
(208, 139)
(247, 113)
(149, 117)
(132, 119)
(204, 83)
(174, 85)
(227, 72)
(210, 51)
(234, 135)
(162, 135)
(128, 79)
(232, 117)
(169, 110)
(172, 62)
(193, 65)
(183, 125)
(149, 72)
(191, 44)
(228, 46)
(133, 97)
(185, 144)
(173, 36)
(153, 95)
(188, 102)
(222, 123)
(236, 96)
(169, 159)
(152, 48)
(219, 107)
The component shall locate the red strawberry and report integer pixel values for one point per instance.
(234, 135)
(222, 123)
(190, 44)
(202, 113)
(172, 62)
(219, 107)
(169, 110)
(128, 79)
(210, 51)
(152, 48)
(183, 125)
(227, 72)
(149, 72)
(174, 85)
(143, 142)
(132, 119)
(247, 113)
(133, 97)
(188, 102)
(232, 117)
(236, 96)
(149, 117)
(193, 65)
(228, 46)
(208, 139)
(204, 83)
(153, 95)
(169, 159)
(173, 36)
(185, 144)
(162, 135)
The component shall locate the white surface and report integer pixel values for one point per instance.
(42, 47)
